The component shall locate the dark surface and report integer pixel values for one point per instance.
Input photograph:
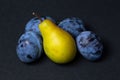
(103, 18)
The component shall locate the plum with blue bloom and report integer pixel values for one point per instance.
(29, 47)
(89, 45)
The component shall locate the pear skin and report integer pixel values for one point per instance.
(58, 44)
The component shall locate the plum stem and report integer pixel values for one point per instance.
(36, 15)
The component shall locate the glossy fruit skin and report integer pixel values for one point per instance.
(33, 23)
(29, 47)
(89, 45)
(72, 25)
(58, 44)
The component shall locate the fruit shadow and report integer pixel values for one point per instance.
(106, 51)
(74, 62)
(105, 42)
(88, 27)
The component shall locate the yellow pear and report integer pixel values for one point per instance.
(58, 44)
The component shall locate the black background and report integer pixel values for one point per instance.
(103, 18)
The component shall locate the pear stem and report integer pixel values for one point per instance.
(36, 15)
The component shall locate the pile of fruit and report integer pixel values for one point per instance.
(60, 42)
